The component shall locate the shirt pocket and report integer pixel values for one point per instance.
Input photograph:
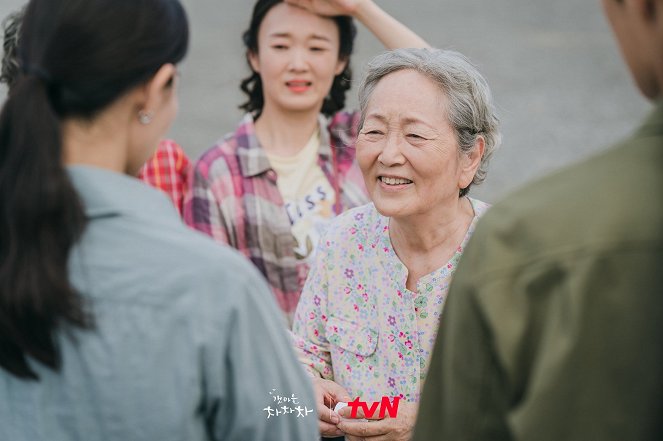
(351, 337)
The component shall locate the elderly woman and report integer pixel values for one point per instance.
(371, 306)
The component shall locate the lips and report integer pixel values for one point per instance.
(298, 85)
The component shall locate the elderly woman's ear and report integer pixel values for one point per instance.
(470, 162)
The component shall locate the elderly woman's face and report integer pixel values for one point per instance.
(407, 148)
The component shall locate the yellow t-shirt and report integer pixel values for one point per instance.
(308, 196)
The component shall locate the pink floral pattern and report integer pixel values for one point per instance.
(357, 323)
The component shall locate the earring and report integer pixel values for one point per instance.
(145, 117)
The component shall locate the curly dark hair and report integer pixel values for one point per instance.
(252, 85)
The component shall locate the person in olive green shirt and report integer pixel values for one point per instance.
(553, 328)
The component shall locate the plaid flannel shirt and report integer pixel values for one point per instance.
(235, 200)
(168, 170)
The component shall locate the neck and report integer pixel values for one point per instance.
(426, 233)
(426, 242)
(94, 143)
(285, 133)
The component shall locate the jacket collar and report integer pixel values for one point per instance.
(105, 193)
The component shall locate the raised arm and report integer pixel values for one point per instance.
(391, 32)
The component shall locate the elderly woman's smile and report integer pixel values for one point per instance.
(394, 181)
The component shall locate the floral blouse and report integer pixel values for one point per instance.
(357, 323)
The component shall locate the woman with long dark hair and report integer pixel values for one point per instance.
(167, 169)
(116, 321)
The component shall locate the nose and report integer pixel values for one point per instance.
(298, 60)
(392, 153)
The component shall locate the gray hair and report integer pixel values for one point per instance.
(471, 110)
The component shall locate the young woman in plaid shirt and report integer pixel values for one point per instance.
(268, 188)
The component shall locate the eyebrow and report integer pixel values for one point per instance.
(404, 121)
(377, 116)
(413, 120)
(288, 35)
(407, 120)
(280, 35)
(320, 37)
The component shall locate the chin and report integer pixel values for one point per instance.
(305, 104)
(650, 90)
(390, 209)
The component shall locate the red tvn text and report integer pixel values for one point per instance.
(386, 407)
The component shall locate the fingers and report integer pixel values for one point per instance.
(304, 4)
(327, 415)
(372, 438)
(387, 429)
(329, 430)
(328, 393)
(327, 420)
(364, 429)
(360, 413)
(324, 404)
(337, 391)
(387, 437)
(346, 412)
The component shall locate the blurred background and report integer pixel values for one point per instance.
(559, 83)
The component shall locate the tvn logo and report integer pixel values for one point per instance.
(386, 407)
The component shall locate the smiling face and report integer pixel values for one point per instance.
(407, 148)
(297, 58)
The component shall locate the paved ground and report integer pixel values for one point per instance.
(558, 80)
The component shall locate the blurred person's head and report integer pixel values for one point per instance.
(82, 63)
(638, 26)
(298, 60)
(428, 129)
(11, 28)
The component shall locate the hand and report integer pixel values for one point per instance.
(328, 7)
(327, 395)
(386, 429)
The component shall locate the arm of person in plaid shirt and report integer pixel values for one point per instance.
(168, 170)
(211, 187)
